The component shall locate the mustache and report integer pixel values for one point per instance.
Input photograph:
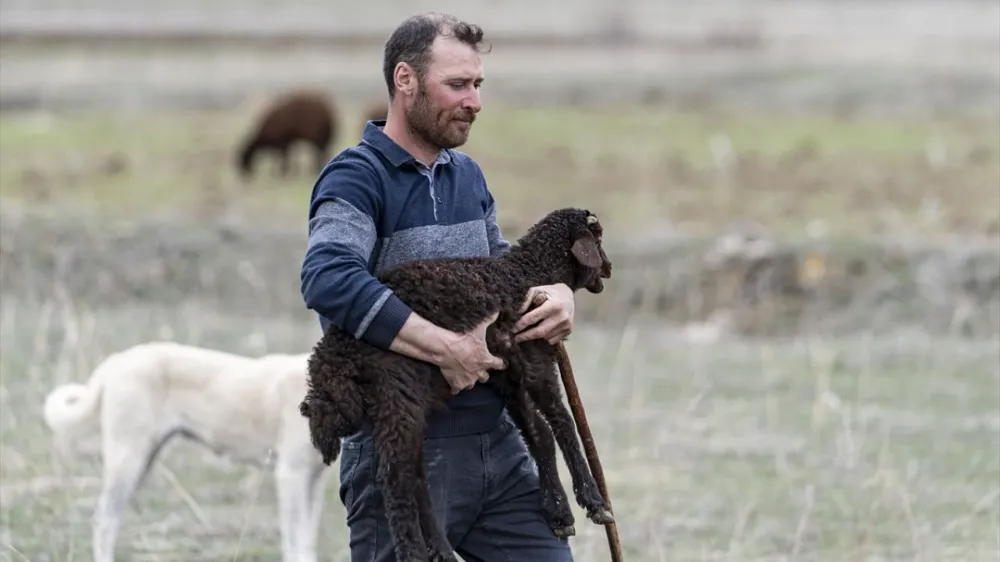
(467, 116)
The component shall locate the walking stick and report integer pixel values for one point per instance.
(576, 405)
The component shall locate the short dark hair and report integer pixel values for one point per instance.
(411, 42)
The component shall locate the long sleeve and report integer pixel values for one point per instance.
(335, 279)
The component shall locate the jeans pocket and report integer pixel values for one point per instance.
(350, 461)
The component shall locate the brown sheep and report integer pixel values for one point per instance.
(298, 116)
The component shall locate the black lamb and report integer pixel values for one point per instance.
(352, 382)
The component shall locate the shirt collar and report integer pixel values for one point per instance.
(397, 155)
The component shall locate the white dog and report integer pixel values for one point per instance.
(245, 408)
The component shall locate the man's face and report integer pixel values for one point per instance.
(447, 97)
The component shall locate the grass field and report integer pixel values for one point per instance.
(835, 450)
(841, 449)
(636, 167)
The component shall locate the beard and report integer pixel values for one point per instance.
(436, 127)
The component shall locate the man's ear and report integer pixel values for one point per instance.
(405, 78)
(586, 252)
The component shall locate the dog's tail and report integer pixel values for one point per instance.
(69, 405)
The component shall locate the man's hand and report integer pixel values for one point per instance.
(552, 320)
(467, 359)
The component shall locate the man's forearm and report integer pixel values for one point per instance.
(421, 339)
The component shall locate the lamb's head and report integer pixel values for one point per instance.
(570, 242)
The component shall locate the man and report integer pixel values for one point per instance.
(405, 193)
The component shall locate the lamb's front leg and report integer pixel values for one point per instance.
(538, 438)
(543, 388)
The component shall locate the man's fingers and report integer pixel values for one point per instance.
(559, 337)
(554, 324)
(485, 324)
(528, 299)
(489, 320)
(540, 331)
(532, 317)
(460, 383)
(554, 329)
(529, 335)
(535, 297)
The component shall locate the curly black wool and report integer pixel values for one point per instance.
(352, 382)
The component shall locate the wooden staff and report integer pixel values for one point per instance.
(583, 428)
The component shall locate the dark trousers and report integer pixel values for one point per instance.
(484, 489)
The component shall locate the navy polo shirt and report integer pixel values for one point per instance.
(374, 206)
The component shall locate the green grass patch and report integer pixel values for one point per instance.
(635, 166)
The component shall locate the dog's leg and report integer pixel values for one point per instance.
(290, 480)
(317, 494)
(296, 478)
(126, 462)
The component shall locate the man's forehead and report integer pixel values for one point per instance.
(451, 57)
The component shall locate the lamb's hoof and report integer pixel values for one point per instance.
(557, 513)
(561, 523)
(601, 516)
(437, 556)
(564, 532)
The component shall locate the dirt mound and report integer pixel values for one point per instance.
(750, 286)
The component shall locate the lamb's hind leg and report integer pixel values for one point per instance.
(438, 547)
(546, 393)
(538, 438)
(398, 431)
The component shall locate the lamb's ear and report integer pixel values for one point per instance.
(586, 252)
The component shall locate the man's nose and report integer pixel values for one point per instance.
(473, 102)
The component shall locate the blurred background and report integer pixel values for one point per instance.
(797, 357)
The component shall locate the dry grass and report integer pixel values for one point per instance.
(848, 448)
(839, 450)
(636, 166)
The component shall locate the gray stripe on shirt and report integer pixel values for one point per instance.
(462, 240)
(337, 221)
(493, 235)
(340, 222)
(367, 320)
